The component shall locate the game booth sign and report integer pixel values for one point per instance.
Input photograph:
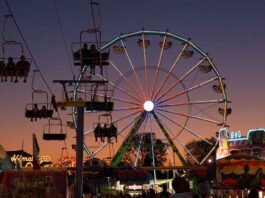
(240, 160)
(27, 184)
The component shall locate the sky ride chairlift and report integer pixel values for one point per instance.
(100, 99)
(32, 110)
(9, 68)
(48, 134)
(106, 129)
(90, 55)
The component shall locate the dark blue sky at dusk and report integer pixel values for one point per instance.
(232, 32)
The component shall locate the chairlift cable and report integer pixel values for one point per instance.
(24, 41)
(31, 55)
(63, 37)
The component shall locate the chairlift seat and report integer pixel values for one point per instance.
(92, 59)
(38, 113)
(99, 106)
(107, 131)
(54, 136)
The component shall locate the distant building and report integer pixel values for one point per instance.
(252, 144)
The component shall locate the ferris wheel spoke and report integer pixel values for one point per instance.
(191, 116)
(192, 103)
(171, 143)
(145, 67)
(180, 79)
(122, 90)
(140, 144)
(119, 133)
(127, 116)
(182, 145)
(161, 137)
(152, 145)
(171, 69)
(185, 128)
(88, 132)
(157, 68)
(124, 146)
(187, 150)
(87, 151)
(188, 90)
(127, 81)
(133, 68)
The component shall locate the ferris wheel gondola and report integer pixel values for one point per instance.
(168, 96)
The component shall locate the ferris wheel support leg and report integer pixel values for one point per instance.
(126, 143)
(79, 153)
(176, 151)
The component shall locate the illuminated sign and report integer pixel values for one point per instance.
(235, 135)
(15, 158)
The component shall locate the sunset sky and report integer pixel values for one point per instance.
(232, 32)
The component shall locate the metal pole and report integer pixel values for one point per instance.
(79, 153)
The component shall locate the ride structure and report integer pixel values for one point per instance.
(164, 84)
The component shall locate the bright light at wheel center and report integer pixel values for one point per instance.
(148, 105)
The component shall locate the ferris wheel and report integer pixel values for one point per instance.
(163, 87)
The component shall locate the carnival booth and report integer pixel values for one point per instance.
(241, 171)
(240, 164)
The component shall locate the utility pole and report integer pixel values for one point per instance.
(79, 152)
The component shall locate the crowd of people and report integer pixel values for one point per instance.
(181, 189)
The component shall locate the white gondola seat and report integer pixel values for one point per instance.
(119, 49)
(187, 53)
(143, 44)
(218, 88)
(167, 45)
(205, 68)
(228, 111)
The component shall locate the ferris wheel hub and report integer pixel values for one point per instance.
(148, 105)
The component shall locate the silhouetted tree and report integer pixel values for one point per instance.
(199, 149)
(145, 155)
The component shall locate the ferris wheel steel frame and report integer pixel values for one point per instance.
(155, 95)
